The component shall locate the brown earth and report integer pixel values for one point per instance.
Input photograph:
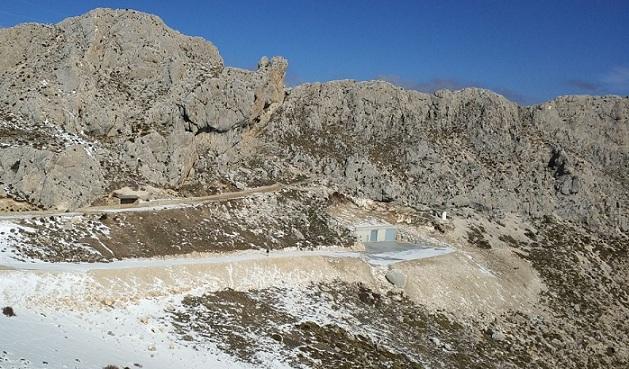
(289, 218)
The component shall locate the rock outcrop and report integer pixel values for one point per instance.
(464, 149)
(113, 73)
(60, 180)
(396, 278)
(126, 82)
(154, 107)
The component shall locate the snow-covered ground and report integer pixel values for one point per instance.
(9, 241)
(80, 319)
(135, 334)
(75, 319)
(89, 315)
(391, 257)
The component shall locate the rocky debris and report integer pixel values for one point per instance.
(342, 329)
(13, 206)
(583, 316)
(57, 239)
(396, 278)
(443, 226)
(476, 237)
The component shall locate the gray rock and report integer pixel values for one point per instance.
(498, 336)
(156, 107)
(126, 76)
(161, 160)
(469, 148)
(396, 278)
(436, 341)
(64, 180)
(298, 234)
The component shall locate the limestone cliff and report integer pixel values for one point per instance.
(115, 98)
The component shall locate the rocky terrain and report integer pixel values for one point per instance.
(270, 221)
(117, 98)
(536, 197)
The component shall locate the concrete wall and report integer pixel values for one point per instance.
(381, 233)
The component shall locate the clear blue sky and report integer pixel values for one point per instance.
(529, 51)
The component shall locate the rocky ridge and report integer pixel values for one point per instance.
(116, 99)
(121, 99)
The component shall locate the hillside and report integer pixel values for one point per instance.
(115, 100)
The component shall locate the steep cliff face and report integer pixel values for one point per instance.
(146, 105)
(465, 149)
(109, 77)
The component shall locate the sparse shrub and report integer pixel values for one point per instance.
(475, 236)
(8, 311)
(111, 367)
(509, 240)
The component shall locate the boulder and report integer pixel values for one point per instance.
(497, 335)
(396, 278)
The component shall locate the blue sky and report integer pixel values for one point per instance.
(530, 51)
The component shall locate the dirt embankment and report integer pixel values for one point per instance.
(288, 218)
(120, 285)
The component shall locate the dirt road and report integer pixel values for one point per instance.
(175, 203)
(235, 257)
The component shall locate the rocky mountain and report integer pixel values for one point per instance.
(114, 100)
(465, 149)
(117, 98)
(120, 97)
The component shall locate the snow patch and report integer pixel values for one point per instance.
(80, 340)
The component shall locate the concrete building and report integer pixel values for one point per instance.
(128, 196)
(375, 232)
(127, 199)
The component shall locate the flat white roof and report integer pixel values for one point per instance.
(374, 224)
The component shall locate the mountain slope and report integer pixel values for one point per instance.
(535, 198)
(151, 106)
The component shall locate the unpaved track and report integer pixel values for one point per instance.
(211, 259)
(89, 285)
(176, 203)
